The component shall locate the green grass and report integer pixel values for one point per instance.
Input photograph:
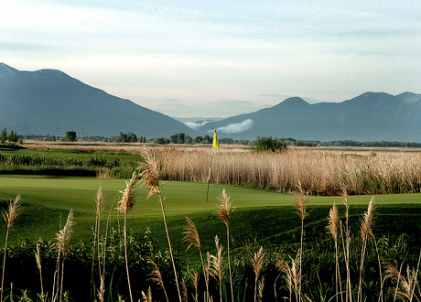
(263, 217)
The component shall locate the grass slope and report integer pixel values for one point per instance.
(259, 216)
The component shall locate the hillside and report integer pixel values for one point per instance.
(46, 101)
(368, 117)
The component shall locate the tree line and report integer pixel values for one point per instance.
(260, 143)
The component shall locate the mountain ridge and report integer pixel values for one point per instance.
(48, 99)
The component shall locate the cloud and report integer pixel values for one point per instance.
(236, 128)
(196, 126)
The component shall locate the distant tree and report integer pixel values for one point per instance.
(131, 137)
(20, 141)
(3, 136)
(122, 137)
(71, 136)
(53, 138)
(13, 137)
(207, 139)
(270, 144)
(188, 139)
(162, 141)
(198, 140)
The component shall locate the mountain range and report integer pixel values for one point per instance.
(370, 116)
(40, 102)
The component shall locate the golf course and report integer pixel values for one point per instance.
(285, 224)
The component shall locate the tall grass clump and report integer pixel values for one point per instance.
(150, 178)
(10, 218)
(224, 213)
(125, 205)
(321, 172)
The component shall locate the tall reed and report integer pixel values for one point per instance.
(10, 218)
(366, 229)
(150, 177)
(191, 236)
(224, 213)
(217, 267)
(301, 207)
(333, 228)
(257, 263)
(63, 238)
(125, 205)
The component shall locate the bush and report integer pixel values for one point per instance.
(270, 144)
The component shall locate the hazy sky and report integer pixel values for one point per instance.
(219, 58)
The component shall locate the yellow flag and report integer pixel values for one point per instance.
(215, 141)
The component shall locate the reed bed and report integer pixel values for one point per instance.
(320, 172)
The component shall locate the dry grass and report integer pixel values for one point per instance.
(321, 171)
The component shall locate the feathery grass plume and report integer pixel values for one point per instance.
(217, 269)
(184, 291)
(257, 263)
(261, 287)
(191, 236)
(366, 229)
(348, 293)
(332, 228)
(99, 208)
(224, 213)
(10, 218)
(156, 277)
(63, 238)
(129, 194)
(150, 177)
(283, 267)
(195, 277)
(150, 172)
(148, 296)
(405, 286)
(208, 269)
(301, 206)
(125, 205)
(38, 261)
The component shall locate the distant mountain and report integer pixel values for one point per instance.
(44, 100)
(368, 117)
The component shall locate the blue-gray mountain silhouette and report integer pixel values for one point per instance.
(44, 100)
(368, 117)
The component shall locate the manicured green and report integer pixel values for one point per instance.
(262, 216)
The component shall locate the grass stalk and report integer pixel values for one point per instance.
(150, 177)
(125, 205)
(217, 268)
(224, 213)
(301, 206)
(10, 218)
(192, 237)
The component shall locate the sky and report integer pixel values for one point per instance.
(219, 58)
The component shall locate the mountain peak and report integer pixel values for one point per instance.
(6, 69)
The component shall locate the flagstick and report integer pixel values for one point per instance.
(210, 171)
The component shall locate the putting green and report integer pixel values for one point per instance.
(79, 193)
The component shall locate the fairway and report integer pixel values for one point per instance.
(78, 193)
(258, 213)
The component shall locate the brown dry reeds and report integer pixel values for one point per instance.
(191, 236)
(63, 238)
(125, 205)
(10, 218)
(366, 229)
(224, 213)
(333, 229)
(150, 177)
(156, 277)
(217, 267)
(321, 172)
(257, 263)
